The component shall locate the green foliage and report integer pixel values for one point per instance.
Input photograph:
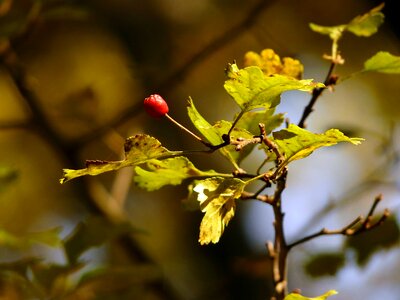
(217, 199)
(173, 171)
(363, 25)
(294, 296)
(324, 264)
(383, 62)
(202, 125)
(297, 143)
(257, 90)
(138, 150)
(251, 89)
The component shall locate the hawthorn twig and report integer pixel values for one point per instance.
(357, 226)
(330, 80)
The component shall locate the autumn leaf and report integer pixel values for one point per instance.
(138, 150)
(297, 143)
(251, 89)
(217, 200)
(171, 171)
(294, 296)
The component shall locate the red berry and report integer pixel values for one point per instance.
(155, 106)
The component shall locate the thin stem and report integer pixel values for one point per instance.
(352, 228)
(188, 131)
(281, 249)
(315, 95)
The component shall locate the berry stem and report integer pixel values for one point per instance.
(188, 131)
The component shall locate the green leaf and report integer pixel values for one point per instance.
(170, 171)
(205, 128)
(251, 89)
(384, 236)
(334, 32)
(250, 120)
(367, 24)
(94, 232)
(294, 296)
(138, 150)
(49, 237)
(383, 62)
(363, 25)
(296, 143)
(217, 200)
(222, 127)
(324, 264)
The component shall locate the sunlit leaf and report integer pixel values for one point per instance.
(48, 237)
(383, 62)
(363, 25)
(217, 200)
(294, 296)
(324, 264)
(270, 63)
(138, 150)
(383, 237)
(296, 143)
(94, 232)
(171, 171)
(205, 128)
(251, 89)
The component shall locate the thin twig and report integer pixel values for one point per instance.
(357, 226)
(315, 95)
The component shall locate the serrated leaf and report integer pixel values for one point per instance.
(138, 150)
(205, 128)
(294, 296)
(170, 171)
(296, 143)
(251, 89)
(383, 62)
(49, 237)
(217, 200)
(270, 63)
(94, 232)
(363, 25)
(383, 237)
(324, 264)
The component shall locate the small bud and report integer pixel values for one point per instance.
(155, 106)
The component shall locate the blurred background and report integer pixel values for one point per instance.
(72, 81)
